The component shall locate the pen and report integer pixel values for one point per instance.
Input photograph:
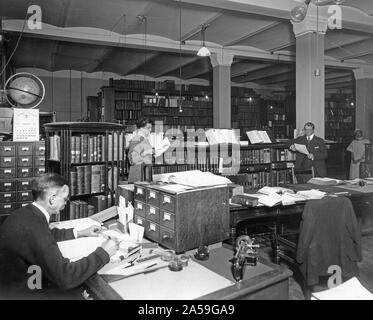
(152, 265)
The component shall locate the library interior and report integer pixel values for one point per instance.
(215, 150)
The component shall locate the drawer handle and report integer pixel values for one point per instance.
(140, 191)
(24, 194)
(7, 160)
(25, 183)
(8, 171)
(41, 170)
(165, 236)
(25, 160)
(139, 206)
(152, 195)
(7, 206)
(41, 148)
(139, 221)
(25, 170)
(7, 195)
(7, 184)
(166, 217)
(7, 149)
(166, 199)
(25, 149)
(152, 210)
(152, 227)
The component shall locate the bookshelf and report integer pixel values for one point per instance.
(91, 156)
(340, 113)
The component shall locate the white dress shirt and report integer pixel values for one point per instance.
(47, 216)
(310, 137)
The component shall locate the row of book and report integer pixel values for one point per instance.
(87, 179)
(254, 156)
(127, 114)
(251, 108)
(282, 155)
(127, 104)
(128, 95)
(213, 168)
(82, 209)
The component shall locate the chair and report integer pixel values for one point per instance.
(303, 175)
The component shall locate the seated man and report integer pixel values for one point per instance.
(26, 240)
(316, 157)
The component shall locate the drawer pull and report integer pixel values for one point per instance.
(152, 227)
(139, 221)
(25, 160)
(140, 191)
(152, 195)
(24, 204)
(7, 149)
(166, 217)
(165, 236)
(7, 160)
(7, 206)
(25, 170)
(166, 199)
(7, 184)
(152, 210)
(8, 171)
(41, 170)
(25, 183)
(41, 148)
(25, 149)
(7, 195)
(139, 206)
(24, 194)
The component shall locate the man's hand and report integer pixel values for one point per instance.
(110, 246)
(292, 148)
(310, 156)
(92, 231)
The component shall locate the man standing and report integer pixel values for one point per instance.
(27, 241)
(316, 157)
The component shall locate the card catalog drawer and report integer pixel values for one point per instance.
(24, 161)
(167, 238)
(7, 173)
(38, 171)
(139, 220)
(39, 161)
(140, 193)
(152, 197)
(24, 185)
(24, 150)
(23, 196)
(167, 202)
(152, 213)
(24, 172)
(140, 208)
(7, 162)
(39, 149)
(7, 186)
(152, 231)
(8, 196)
(7, 151)
(6, 208)
(167, 219)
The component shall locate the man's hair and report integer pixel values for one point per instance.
(143, 122)
(42, 184)
(310, 124)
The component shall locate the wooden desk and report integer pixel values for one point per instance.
(264, 281)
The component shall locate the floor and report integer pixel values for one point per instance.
(365, 266)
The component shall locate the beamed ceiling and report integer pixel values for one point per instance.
(152, 48)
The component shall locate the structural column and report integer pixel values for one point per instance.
(310, 73)
(364, 101)
(221, 66)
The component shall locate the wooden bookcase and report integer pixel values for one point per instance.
(67, 152)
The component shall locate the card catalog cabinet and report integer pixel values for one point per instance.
(182, 220)
(19, 163)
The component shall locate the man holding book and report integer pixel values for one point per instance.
(31, 263)
(311, 154)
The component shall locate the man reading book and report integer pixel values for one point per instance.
(317, 154)
(29, 250)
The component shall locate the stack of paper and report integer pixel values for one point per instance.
(312, 194)
(270, 190)
(324, 181)
(349, 290)
(76, 249)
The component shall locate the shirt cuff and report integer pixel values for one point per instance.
(75, 233)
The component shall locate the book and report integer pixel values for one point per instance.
(258, 136)
(80, 179)
(245, 200)
(73, 183)
(87, 179)
(95, 179)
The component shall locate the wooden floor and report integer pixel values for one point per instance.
(365, 266)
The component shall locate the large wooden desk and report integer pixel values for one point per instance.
(264, 281)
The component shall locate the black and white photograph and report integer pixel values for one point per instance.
(186, 154)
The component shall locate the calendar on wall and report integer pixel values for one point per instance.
(26, 124)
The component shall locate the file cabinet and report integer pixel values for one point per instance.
(182, 220)
(20, 162)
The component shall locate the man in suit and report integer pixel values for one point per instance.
(316, 157)
(28, 245)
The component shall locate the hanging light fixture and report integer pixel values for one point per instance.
(299, 12)
(203, 52)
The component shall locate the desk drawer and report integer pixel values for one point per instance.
(39, 149)
(140, 193)
(39, 171)
(24, 150)
(7, 173)
(140, 208)
(7, 162)
(167, 202)
(8, 196)
(152, 231)
(152, 213)
(167, 238)
(7, 186)
(24, 172)
(152, 197)
(167, 219)
(7, 208)
(7, 151)
(23, 196)
(24, 161)
(39, 161)
(140, 221)
(24, 185)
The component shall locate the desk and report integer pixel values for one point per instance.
(264, 281)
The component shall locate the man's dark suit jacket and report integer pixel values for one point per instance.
(317, 147)
(25, 240)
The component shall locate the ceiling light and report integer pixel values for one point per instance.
(203, 52)
(299, 12)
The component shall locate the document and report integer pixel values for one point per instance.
(162, 147)
(270, 200)
(258, 136)
(301, 148)
(77, 224)
(76, 249)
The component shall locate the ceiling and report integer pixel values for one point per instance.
(263, 35)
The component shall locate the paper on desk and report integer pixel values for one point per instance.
(312, 194)
(125, 213)
(270, 200)
(77, 224)
(270, 190)
(136, 232)
(175, 187)
(301, 148)
(76, 249)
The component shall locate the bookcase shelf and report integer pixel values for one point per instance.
(68, 142)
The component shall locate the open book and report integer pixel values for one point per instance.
(258, 136)
(220, 136)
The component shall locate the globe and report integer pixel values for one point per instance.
(24, 90)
